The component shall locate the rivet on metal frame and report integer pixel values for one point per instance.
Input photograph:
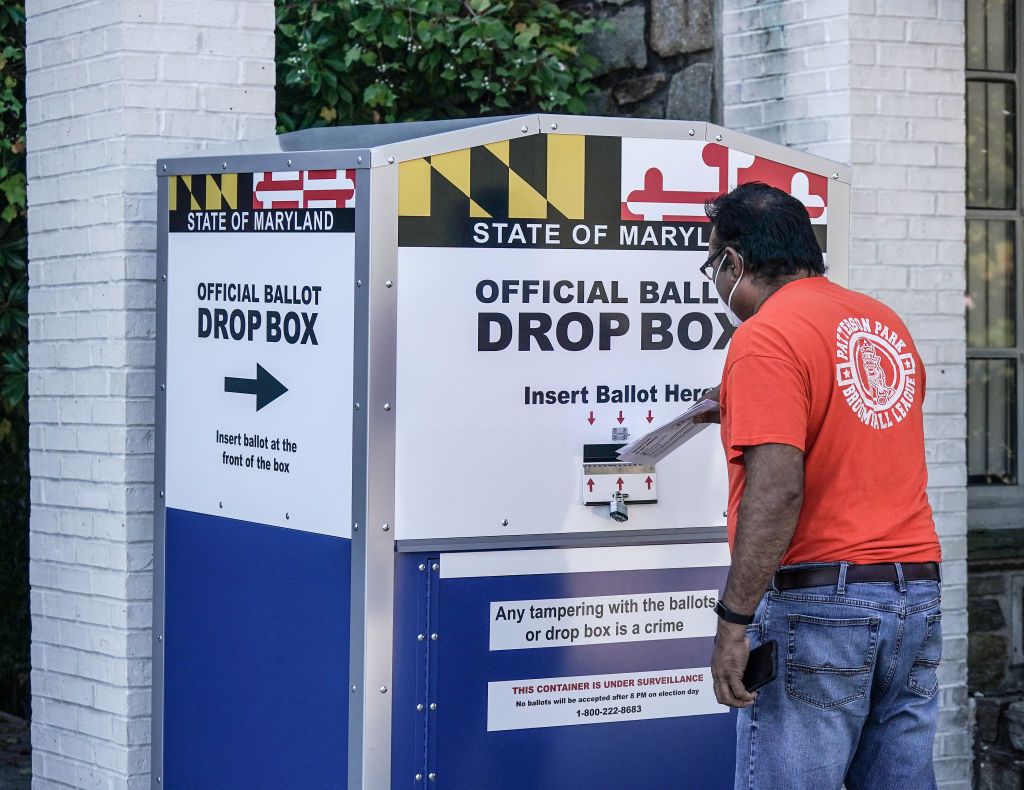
(725, 514)
(287, 516)
(353, 689)
(161, 494)
(220, 505)
(525, 129)
(289, 163)
(423, 566)
(391, 160)
(165, 170)
(357, 407)
(433, 706)
(388, 283)
(692, 132)
(420, 707)
(359, 160)
(163, 387)
(718, 138)
(386, 527)
(432, 777)
(163, 277)
(420, 637)
(504, 522)
(435, 567)
(383, 689)
(433, 637)
(387, 407)
(223, 165)
(159, 639)
(554, 126)
(355, 527)
(419, 777)
(359, 283)
(835, 175)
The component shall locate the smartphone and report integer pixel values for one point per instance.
(762, 666)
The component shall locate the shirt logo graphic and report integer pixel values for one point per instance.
(875, 372)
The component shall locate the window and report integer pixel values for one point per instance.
(995, 352)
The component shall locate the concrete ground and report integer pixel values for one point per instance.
(15, 754)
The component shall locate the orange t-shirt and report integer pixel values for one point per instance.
(836, 374)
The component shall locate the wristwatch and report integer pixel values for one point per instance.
(730, 616)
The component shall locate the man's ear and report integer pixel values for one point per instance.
(732, 259)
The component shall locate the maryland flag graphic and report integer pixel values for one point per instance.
(577, 191)
(544, 178)
(209, 192)
(304, 200)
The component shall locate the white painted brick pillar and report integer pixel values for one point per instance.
(111, 86)
(879, 84)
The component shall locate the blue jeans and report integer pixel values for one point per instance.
(855, 700)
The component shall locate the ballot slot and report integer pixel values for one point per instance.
(606, 480)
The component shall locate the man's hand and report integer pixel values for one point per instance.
(727, 665)
(711, 416)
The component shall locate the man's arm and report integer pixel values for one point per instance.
(767, 518)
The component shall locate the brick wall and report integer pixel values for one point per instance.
(879, 84)
(111, 86)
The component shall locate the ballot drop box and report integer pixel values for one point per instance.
(396, 545)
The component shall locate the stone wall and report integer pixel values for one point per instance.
(996, 672)
(657, 59)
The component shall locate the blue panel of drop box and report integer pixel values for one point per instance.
(691, 752)
(256, 656)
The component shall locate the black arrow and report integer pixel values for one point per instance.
(265, 387)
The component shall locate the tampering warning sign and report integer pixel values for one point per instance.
(259, 347)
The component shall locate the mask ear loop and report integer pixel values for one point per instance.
(721, 266)
(743, 271)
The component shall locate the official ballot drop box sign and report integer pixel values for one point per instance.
(395, 364)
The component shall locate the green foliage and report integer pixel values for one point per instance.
(13, 232)
(14, 610)
(369, 61)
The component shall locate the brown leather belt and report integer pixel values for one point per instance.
(828, 575)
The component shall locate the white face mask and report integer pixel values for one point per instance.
(734, 319)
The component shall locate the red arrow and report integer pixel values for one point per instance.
(590, 485)
(620, 483)
(620, 418)
(649, 482)
(590, 419)
(650, 416)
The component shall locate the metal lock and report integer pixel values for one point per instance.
(617, 507)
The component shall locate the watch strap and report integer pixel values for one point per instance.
(730, 616)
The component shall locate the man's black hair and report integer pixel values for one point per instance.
(769, 228)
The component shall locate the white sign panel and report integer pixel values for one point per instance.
(259, 374)
(602, 619)
(497, 400)
(550, 298)
(590, 559)
(597, 699)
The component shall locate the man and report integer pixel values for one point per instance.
(834, 551)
